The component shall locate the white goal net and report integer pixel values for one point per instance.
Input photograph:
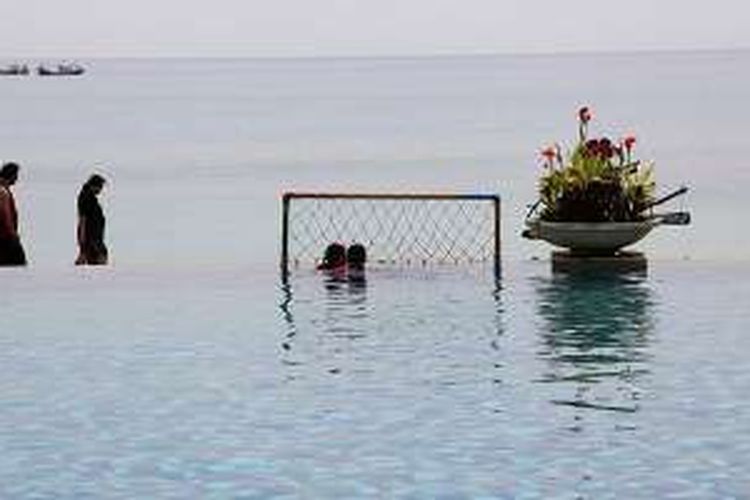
(396, 229)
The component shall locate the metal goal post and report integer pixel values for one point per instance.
(402, 229)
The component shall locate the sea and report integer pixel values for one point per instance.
(188, 368)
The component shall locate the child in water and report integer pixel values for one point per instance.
(334, 257)
(356, 256)
(337, 256)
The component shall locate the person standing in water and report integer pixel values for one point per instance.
(11, 250)
(91, 222)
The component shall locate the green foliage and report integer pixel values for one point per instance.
(598, 182)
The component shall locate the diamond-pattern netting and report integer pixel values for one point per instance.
(442, 230)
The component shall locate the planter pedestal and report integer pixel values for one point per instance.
(621, 262)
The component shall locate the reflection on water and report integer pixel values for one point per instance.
(595, 337)
(341, 313)
(285, 306)
(345, 304)
(356, 325)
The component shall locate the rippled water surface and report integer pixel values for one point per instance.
(412, 383)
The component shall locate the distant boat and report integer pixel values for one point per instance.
(14, 70)
(61, 70)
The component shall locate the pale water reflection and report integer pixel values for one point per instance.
(338, 319)
(345, 305)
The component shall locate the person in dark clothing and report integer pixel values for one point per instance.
(11, 250)
(91, 221)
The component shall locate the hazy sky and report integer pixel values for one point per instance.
(255, 28)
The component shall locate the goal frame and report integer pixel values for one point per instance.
(288, 196)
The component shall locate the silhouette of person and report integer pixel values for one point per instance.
(11, 250)
(356, 257)
(91, 222)
(334, 257)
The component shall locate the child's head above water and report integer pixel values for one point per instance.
(356, 256)
(334, 256)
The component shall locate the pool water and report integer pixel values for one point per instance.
(411, 383)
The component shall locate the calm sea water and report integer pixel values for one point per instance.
(187, 369)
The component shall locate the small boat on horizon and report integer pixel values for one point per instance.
(61, 70)
(15, 70)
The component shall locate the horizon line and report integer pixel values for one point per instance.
(385, 56)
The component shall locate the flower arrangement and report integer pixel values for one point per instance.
(599, 181)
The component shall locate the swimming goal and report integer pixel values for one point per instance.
(396, 229)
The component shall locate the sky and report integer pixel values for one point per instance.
(310, 28)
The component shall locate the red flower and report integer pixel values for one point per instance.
(549, 154)
(584, 115)
(599, 147)
(629, 141)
